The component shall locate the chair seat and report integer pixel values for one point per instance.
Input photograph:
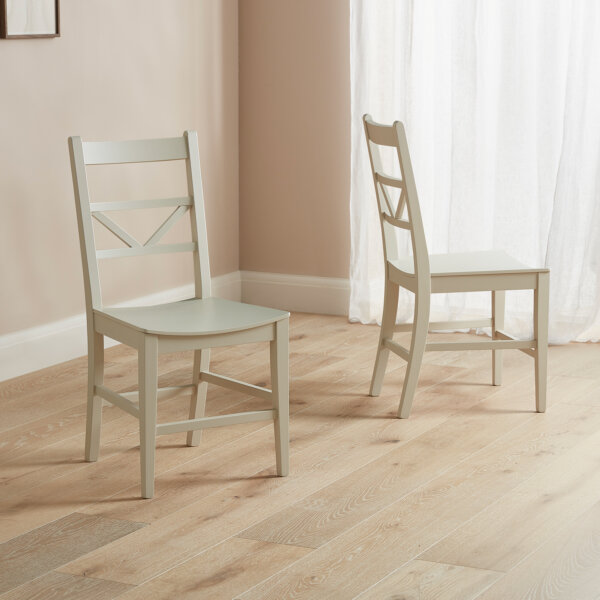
(489, 262)
(195, 316)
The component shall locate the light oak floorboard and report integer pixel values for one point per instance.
(422, 580)
(208, 495)
(322, 516)
(23, 386)
(26, 557)
(119, 434)
(575, 360)
(362, 556)
(61, 387)
(60, 586)
(47, 501)
(181, 534)
(219, 573)
(591, 398)
(64, 460)
(317, 413)
(566, 567)
(518, 522)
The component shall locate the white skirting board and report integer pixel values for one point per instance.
(32, 349)
(301, 293)
(28, 350)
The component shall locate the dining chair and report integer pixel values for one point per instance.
(197, 324)
(424, 274)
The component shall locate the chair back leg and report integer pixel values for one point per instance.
(388, 322)
(498, 303)
(417, 349)
(279, 354)
(94, 403)
(540, 326)
(198, 401)
(148, 385)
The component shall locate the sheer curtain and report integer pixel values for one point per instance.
(501, 102)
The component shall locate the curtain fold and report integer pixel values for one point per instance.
(501, 102)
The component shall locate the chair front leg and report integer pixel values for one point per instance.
(540, 326)
(388, 322)
(498, 302)
(198, 401)
(417, 349)
(148, 384)
(94, 403)
(279, 351)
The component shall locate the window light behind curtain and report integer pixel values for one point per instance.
(501, 102)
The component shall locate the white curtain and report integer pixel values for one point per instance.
(501, 102)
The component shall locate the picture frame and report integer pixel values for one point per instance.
(21, 19)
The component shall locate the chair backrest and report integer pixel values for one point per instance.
(390, 211)
(138, 151)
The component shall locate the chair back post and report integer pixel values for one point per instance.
(91, 278)
(198, 218)
(389, 216)
(390, 245)
(419, 242)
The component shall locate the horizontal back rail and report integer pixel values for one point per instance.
(402, 223)
(389, 180)
(145, 250)
(140, 204)
(134, 151)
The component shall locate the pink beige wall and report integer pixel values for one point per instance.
(294, 136)
(151, 68)
(119, 70)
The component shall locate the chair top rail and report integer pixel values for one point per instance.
(134, 151)
(140, 204)
(382, 135)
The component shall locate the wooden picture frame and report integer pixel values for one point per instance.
(21, 19)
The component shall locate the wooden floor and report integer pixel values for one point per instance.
(474, 496)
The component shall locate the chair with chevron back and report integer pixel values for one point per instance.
(198, 323)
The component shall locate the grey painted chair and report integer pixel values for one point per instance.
(197, 324)
(425, 274)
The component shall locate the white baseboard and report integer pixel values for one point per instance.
(32, 349)
(300, 293)
(228, 286)
(39, 347)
